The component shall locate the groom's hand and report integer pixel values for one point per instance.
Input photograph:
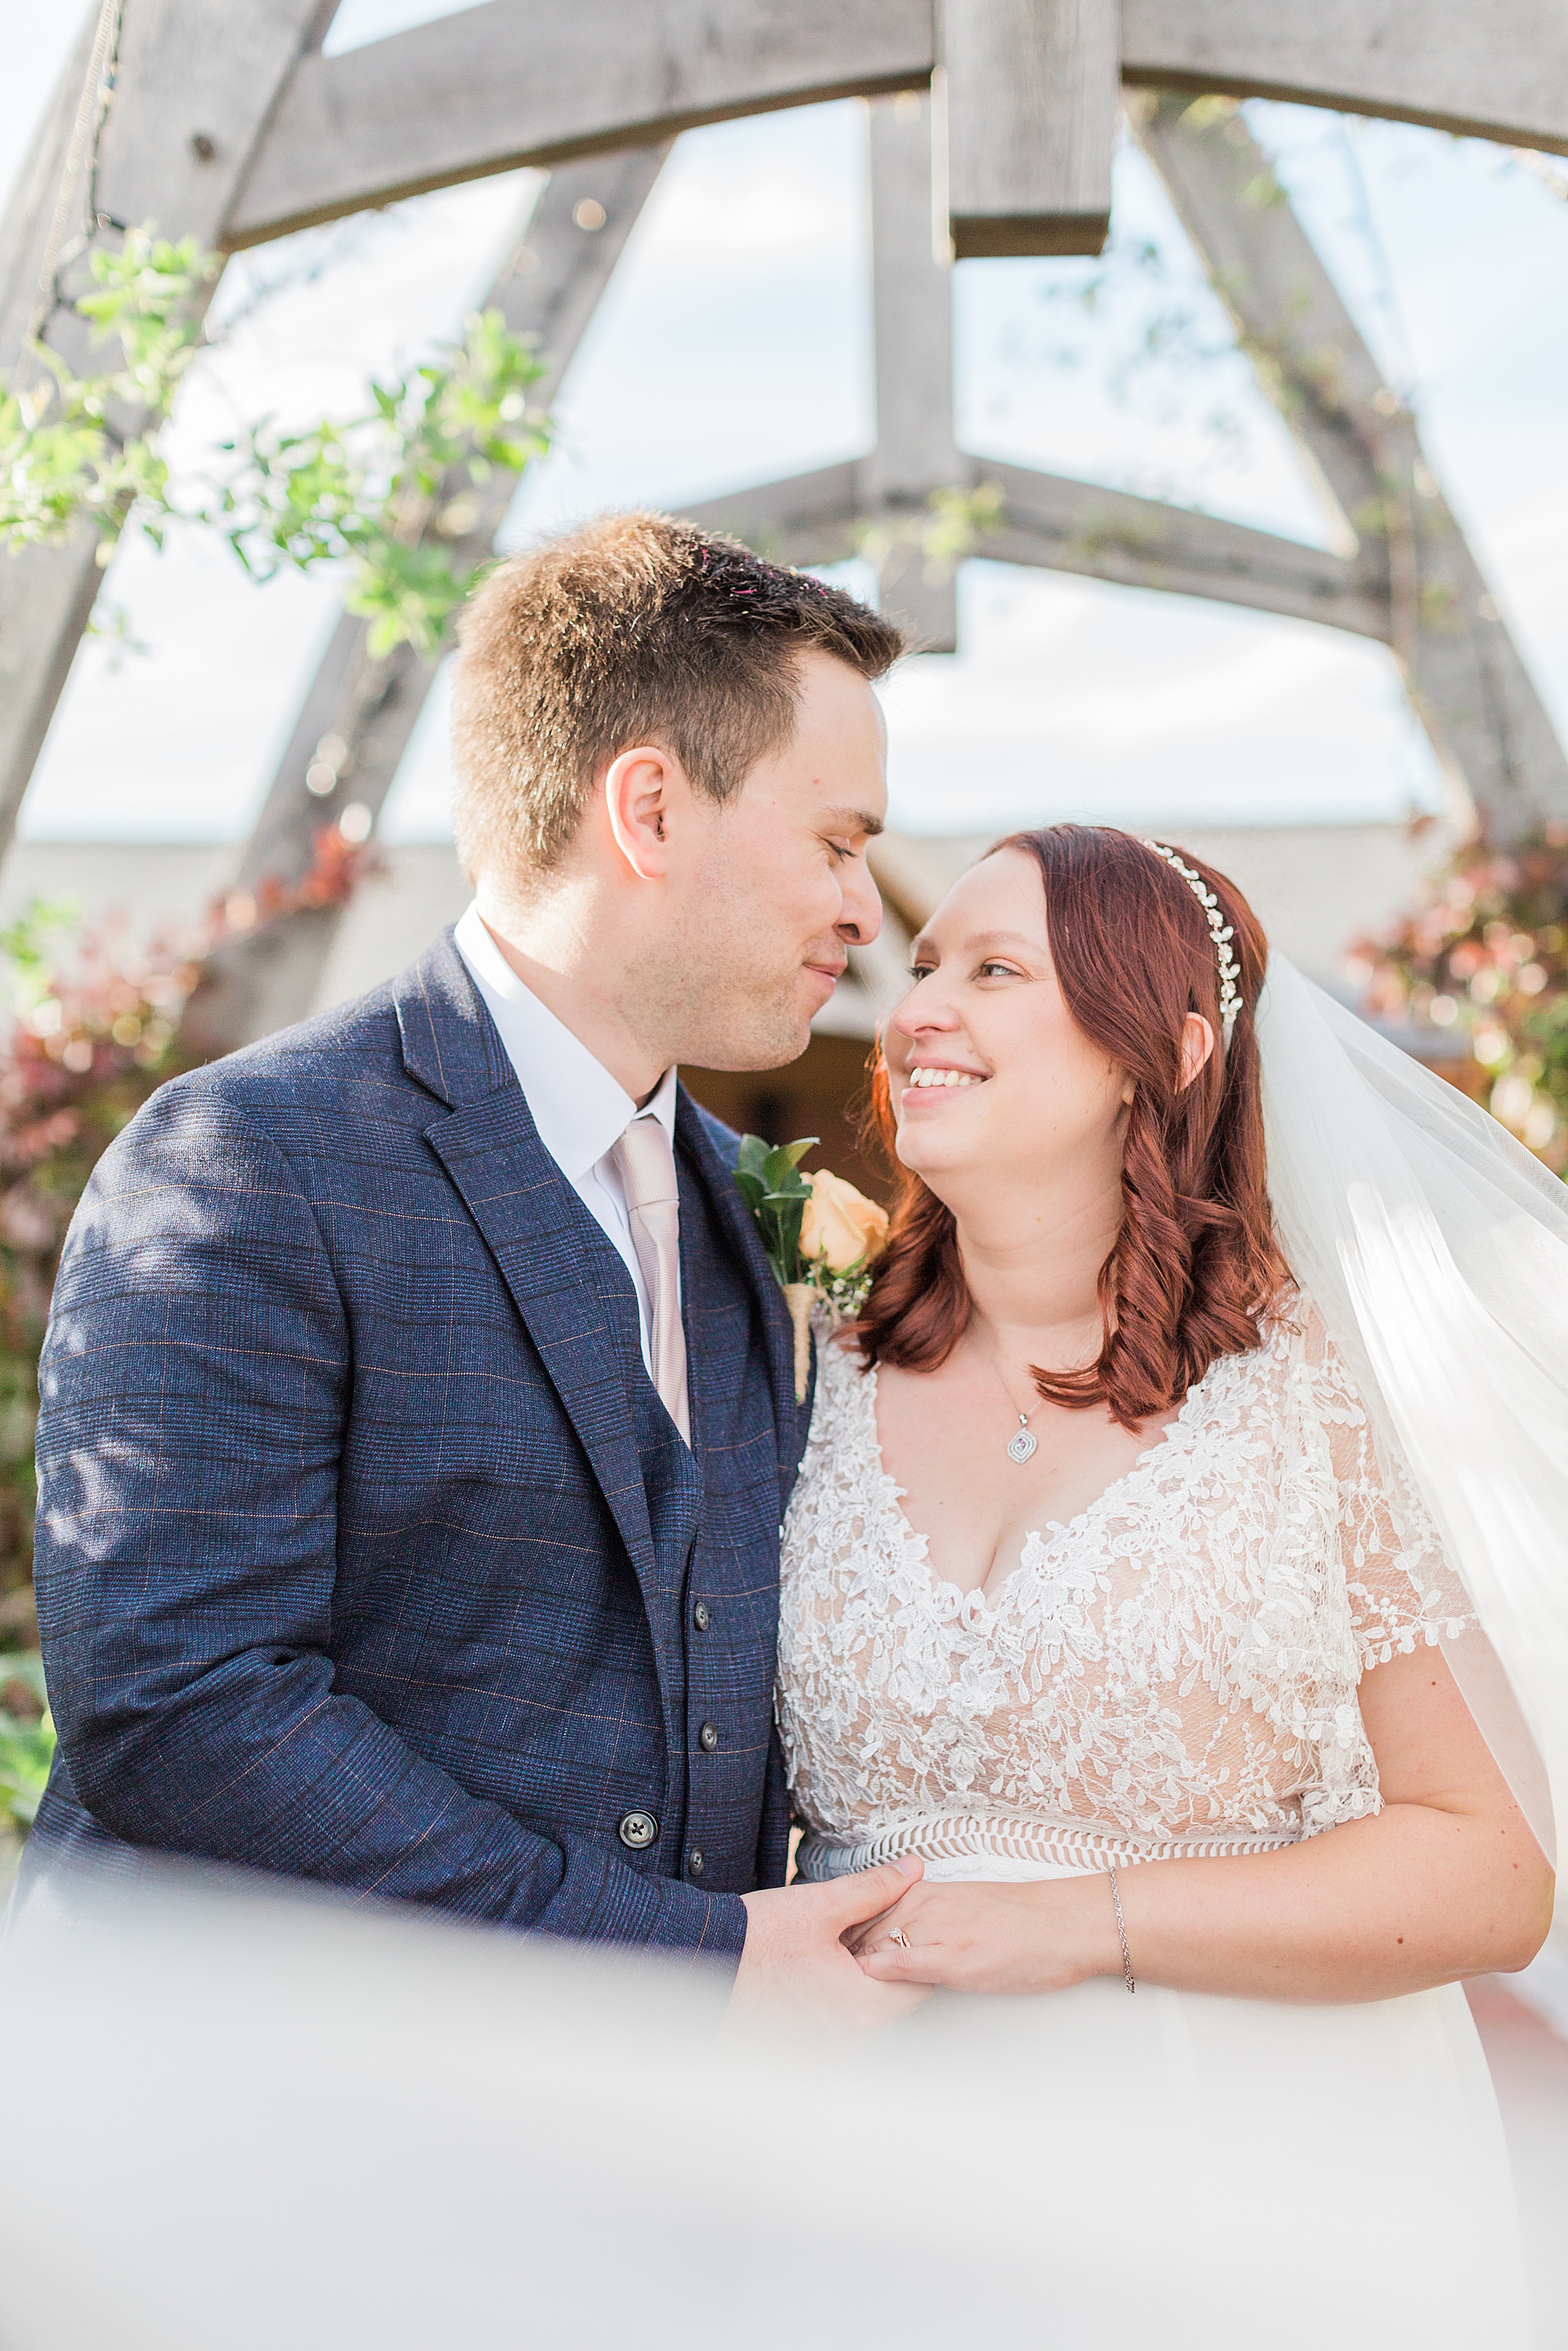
(796, 1964)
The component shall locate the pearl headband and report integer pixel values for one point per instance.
(1219, 931)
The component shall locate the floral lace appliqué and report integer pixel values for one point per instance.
(1177, 1667)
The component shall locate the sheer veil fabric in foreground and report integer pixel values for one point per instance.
(1435, 1249)
(256, 2117)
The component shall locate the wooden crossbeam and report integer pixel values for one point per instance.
(1029, 91)
(1462, 668)
(359, 713)
(1059, 525)
(1052, 523)
(1402, 572)
(527, 81)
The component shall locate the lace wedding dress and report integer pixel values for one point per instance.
(1173, 1672)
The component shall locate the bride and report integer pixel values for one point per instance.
(1115, 1595)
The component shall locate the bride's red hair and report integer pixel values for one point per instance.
(1195, 1263)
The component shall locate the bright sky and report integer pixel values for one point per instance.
(733, 345)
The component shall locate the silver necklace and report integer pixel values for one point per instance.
(1023, 1444)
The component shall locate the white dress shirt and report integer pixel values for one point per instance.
(580, 1110)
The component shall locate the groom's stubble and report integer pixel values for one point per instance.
(723, 989)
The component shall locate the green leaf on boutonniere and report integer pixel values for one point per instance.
(752, 1188)
(780, 1166)
(768, 1180)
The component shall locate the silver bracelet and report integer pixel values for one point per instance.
(1122, 1930)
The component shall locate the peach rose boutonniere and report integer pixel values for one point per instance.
(821, 1235)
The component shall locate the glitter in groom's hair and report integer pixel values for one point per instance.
(634, 629)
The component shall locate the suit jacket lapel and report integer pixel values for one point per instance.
(533, 1222)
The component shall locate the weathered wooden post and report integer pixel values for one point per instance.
(911, 319)
(1028, 97)
(193, 88)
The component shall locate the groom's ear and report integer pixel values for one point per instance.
(641, 788)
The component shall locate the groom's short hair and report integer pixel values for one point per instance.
(634, 629)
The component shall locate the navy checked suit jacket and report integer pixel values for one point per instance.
(366, 1552)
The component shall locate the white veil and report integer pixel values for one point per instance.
(1436, 1251)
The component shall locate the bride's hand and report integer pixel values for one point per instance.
(996, 1937)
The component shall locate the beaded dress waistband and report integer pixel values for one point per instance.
(957, 1836)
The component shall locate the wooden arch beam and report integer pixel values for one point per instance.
(1499, 70)
(524, 81)
(527, 81)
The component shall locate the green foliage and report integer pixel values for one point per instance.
(383, 494)
(63, 458)
(1486, 960)
(376, 493)
(770, 1182)
(26, 1738)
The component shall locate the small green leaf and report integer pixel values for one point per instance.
(782, 1163)
(752, 1156)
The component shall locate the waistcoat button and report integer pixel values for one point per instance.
(708, 1734)
(638, 1831)
(700, 1617)
(695, 1861)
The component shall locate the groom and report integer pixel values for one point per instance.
(417, 1406)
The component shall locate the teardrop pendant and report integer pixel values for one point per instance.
(1023, 1447)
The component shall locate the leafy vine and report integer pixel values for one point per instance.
(385, 494)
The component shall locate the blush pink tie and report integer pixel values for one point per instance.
(647, 1168)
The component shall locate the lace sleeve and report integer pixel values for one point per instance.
(1402, 1591)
